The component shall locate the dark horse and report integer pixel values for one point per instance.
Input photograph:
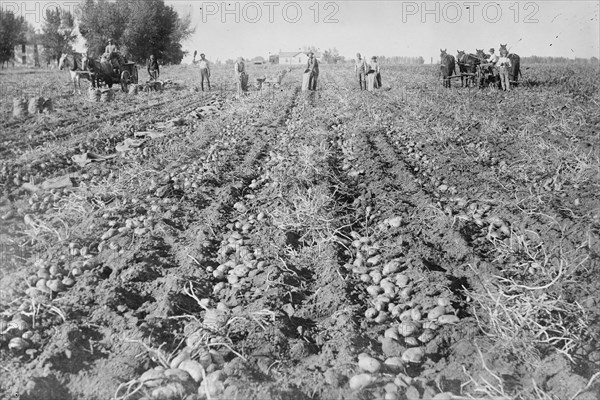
(447, 65)
(467, 64)
(106, 68)
(515, 61)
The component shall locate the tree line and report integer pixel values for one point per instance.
(139, 28)
(558, 60)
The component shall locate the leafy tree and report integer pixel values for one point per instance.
(100, 20)
(332, 56)
(312, 48)
(139, 28)
(13, 31)
(58, 35)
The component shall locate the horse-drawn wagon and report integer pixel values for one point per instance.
(112, 69)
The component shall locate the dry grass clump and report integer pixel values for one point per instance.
(523, 320)
(308, 212)
(491, 386)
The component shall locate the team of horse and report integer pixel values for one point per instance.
(473, 68)
(96, 71)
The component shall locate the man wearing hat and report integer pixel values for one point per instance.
(153, 68)
(375, 68)
(361, 68)
(110, 47)
(312, 67)
(493, 59)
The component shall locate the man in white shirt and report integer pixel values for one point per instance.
(361, 68)
(503, 68)
(492, 60)
(204, 71)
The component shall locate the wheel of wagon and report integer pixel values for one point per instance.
(134, 75)
(125, 80)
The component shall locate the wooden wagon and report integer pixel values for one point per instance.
(125, 74)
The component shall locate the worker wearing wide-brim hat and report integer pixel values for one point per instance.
(375, 68)
(312, 67)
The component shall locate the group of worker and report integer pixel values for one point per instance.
(368, 73)
(502, 63)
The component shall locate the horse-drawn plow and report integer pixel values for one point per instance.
(474, 71)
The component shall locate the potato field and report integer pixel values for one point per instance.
(416, 242)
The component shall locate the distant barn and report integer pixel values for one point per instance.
(28, 55)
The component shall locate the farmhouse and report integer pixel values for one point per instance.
(28, 55)
(295, 57)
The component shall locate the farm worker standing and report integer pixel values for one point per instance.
(241, 76)
(312, 67)
(153, 69)
(360, 67)
(110, 47)
(204, 71)
(493, 59)
(374, 74)
(504, 64)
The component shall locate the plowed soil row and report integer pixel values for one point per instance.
(330, 244)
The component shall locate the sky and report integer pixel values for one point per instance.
(403, 28)
(228, 29)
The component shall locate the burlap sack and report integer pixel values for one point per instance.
(47, 106)
(36, 105)
(133, 89)
(19, 107)
(106, 95)
(94, 95)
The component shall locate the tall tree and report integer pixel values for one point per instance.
(58, 36)
(13, 31)
(100, 20)
(332, 56)
(140, 28)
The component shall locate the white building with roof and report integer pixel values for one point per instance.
(296, 57)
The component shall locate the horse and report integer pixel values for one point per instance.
(77, 69)
(447, 65)
(106, 67)
(467, 64)
(515, 61)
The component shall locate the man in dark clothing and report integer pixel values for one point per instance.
(312, 67)
(153, 69)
